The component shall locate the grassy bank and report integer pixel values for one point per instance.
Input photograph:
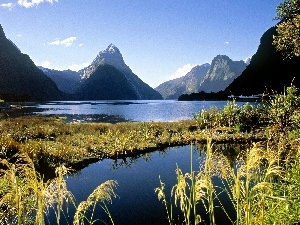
(49, 140)
(263, 185)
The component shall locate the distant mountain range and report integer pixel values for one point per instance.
(268, 72)
(221, 73)
(113, 57)
(20, 79)
(189, 83)
(208, 78)
(67, 81)
(106, 78)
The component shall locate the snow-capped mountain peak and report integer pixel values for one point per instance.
(111, 49)
(111, 56)
(248, 60)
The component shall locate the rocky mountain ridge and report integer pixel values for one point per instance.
(222, 72)
(107, 77)
(67, 81)
(187, 84)
(208, 78)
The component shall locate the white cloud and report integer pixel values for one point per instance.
(45, 64)
(66, 42)
(76, 67)
(227, 42)
(7, 5)
(31, 3)
(182, 71)
(80, 45)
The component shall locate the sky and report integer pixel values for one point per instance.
(159, 39)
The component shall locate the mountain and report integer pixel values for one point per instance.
(106, 83)
(67, 81)
(20, 79)
(207, 78)
(113, 57)
(221, 73)
(183, 85)
(247, 60)
(267, 70)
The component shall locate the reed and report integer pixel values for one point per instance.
(103, 193)
(25, 198)
(52, 141)
(262, 186)
(191, 189)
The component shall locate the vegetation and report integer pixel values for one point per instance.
(25, 198)
(262, 186)
(288, 38)
(53, 142)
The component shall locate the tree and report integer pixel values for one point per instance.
(287, 39)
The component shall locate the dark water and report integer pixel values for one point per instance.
(137, 177)
(137, 203)
(118, 111)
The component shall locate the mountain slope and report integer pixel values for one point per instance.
(183, 85)
(67, 81)
(20, 79)
(106, 83)
(112, 56)
(221, 73)
(205, 78)
(267, 70)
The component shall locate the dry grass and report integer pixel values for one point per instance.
(25, 198)
(52, 141)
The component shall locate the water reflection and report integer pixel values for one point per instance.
(230, 151)
(138, 177)
(135, 110)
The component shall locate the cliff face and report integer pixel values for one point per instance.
(207, 78)
(20, 79)
(267, 71)
(113, 57)
(187, 84)
(106, 83)
(222, 72)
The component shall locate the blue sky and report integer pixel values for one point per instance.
(159, 39)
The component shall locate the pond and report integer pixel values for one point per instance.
(137, 177)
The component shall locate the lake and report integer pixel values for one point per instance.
(118, 111)
(137, 177)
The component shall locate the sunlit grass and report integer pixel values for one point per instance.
(25, 198)
(263, 184)
(52, 141)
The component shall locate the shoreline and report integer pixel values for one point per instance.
(50, 141)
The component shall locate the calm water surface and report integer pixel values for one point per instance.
(115, 111)
(137, 177)
(137, 202)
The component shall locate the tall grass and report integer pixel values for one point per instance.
(262, 186)
(25, 198)
(103, 193)
(191, 189)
